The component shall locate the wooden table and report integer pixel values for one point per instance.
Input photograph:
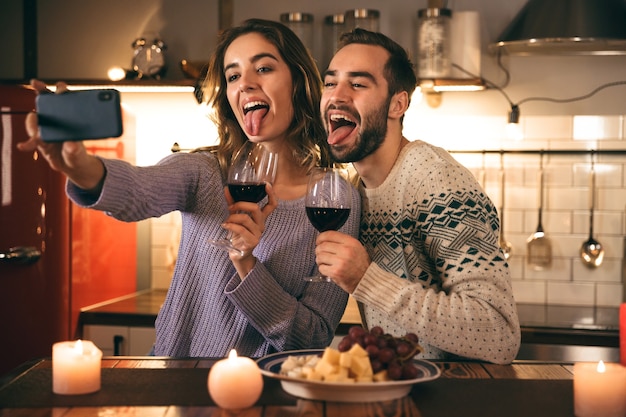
(165, 387)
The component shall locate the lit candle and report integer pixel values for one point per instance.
(235, 382)
(622, 333)
(76, 367)
(599, 390)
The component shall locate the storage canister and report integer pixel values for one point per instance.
(433, 43)
(333, 28)
(302, 25)
(363, 18)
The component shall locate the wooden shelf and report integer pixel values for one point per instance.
(129, 83)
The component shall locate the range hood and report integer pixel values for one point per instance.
(566, 27)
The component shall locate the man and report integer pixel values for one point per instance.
(428, 260)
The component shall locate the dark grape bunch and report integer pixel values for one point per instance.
(386, 352)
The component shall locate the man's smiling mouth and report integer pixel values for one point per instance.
(341, 126)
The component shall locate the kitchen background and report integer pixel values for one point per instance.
(473, 125)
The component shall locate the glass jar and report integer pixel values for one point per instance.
(433, 43)
(302, 25)
(362, 18)
(333, 28)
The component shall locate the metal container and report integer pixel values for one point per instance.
(433, 43)
(363, 18)
(302, 25)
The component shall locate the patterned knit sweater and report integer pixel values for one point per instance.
(209, 309)
(437, 269)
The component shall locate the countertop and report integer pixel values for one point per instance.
(141, 309)
(153, 387)
(594, 326)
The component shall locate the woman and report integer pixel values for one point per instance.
(264, 87)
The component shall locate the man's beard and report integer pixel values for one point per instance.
(372, 135)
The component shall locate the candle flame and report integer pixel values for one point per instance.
(232, 354)
(78, 347)
(601, 367)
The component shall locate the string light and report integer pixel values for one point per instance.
(513, 128)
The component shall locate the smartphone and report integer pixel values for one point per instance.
(79, 115)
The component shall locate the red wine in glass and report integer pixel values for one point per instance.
(323, 218)
(253, 166)
(250, 192)
(327, 203)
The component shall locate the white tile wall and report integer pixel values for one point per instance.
(566, 198)
(566, 206)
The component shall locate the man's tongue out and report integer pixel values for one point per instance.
(337, 135)
(340, 130)
(252, 119)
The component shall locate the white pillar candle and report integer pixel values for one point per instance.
(599, 389)
(76, 367)
(235, 382)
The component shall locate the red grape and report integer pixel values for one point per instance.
(386, 355)
(409, 371)
(377, 331)
(356, 331)
(394, 371)
(403, 349)
(372, 351)
(345, 344)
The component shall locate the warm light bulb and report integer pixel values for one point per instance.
(601, 367)
(116, 73)
(514, 132)
(513, 129)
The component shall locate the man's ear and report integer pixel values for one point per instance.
(398, 105)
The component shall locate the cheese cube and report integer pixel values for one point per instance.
(331, 356)
(345, 358)
(357, 350)
(361, 366)
(325, 368)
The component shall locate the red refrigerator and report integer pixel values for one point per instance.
(55, 258)
(34, 242)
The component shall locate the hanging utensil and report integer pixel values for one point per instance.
(506, 246)
(591, 251)
(538, 245)
(482, 174)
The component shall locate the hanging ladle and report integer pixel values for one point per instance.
(504, 244)
(591, 251)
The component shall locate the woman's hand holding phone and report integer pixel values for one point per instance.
(68, 157)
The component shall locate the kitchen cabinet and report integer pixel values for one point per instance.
(121, 340)
(124, 325)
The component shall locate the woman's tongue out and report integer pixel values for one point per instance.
(253, 117)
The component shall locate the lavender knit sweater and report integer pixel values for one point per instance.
(209, 309)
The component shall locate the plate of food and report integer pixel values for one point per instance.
(280, 366)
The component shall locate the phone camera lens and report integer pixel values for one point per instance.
(105, 96)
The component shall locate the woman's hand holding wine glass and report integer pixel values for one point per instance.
(328, 201)
(253, 167)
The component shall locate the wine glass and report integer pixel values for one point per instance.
(327, 203)
(253, 166)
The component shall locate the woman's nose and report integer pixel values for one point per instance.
(246, 83)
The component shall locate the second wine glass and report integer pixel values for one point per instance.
(328, 202)
(253, 166)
